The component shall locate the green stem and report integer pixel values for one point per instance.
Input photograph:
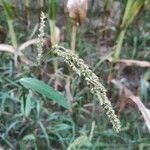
(9, 16)
(12, 33)
(52, 23)
(119, 45)
(117, 52)
(13, 37)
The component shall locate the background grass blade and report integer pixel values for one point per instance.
(45, 133)
(131, 10)
(26, 104)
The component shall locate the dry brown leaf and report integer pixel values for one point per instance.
(123, 90)
(28, 43)
(122, 104)
(68, 93)
(125, 94)
(9, 48)
(57, 34)
(77, 10)
(145, 112)
(130, 62)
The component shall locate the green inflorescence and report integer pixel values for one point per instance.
(92, 81)
(41, 35)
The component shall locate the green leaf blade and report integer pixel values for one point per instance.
(46, 90)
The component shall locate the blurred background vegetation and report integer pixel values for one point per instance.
(113, 40)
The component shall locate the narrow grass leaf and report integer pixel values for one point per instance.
(38, 109)
(45, 133)
(11, 126)
(136, 7)
(8, 143)
(22, 106)
(7, 8)
(144, 89)
(29, 137)
(28, 105)
(126, 13)
(131, 10)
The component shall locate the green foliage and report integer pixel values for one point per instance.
(131, 10)
(96, 87)
(53, 7)
(26, 104)
(45, 90)
(7, 5)
(28, 120)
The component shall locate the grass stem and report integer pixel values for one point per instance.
(52, 23)
(73, 37)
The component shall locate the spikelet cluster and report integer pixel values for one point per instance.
(92, 81)
(41, 35)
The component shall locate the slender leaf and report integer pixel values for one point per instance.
(8, 8)
(127, 11)
(134, 11)
(45, 133)
(9, 128)
(28, 105)
(29, 137)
